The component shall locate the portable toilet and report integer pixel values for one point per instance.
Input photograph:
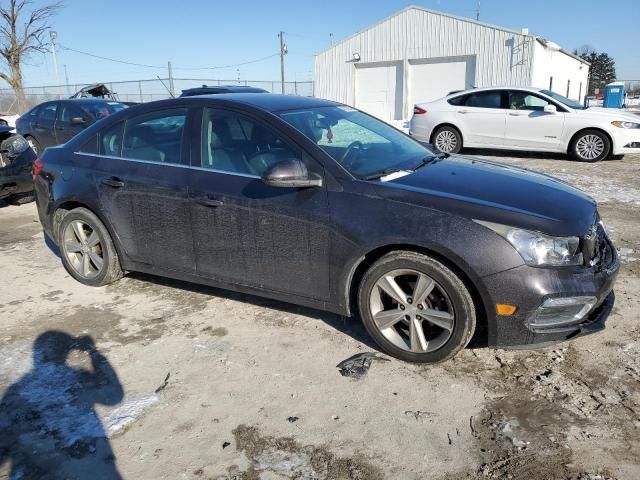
(614, 95)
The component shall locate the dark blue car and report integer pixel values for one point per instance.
(316, 203)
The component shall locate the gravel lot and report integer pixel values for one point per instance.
(226, 386)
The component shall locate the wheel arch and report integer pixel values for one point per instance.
(65, 206)
(597, 129)
(480, 298)
(446, 124)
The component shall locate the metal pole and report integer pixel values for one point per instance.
(282, 53)
(66, 78)
(478, 11)
(171, 89)
(53, 36)
(140, 90)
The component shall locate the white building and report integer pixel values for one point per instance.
(418, 55)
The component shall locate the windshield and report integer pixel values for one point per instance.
(566, 101)
(101, 110)
(360, 143)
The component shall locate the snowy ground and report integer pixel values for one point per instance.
(161, 379)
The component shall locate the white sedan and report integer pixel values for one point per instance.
(532, 119)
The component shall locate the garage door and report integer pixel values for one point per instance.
(379, 90)
(433, 79)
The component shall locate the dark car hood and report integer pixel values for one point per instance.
(494, 192)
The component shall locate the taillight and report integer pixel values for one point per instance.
(419, 110)
(37, 167)
(18, 121)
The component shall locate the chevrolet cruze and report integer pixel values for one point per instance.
(316, 203)
(529, 119)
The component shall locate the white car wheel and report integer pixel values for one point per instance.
(447, 140)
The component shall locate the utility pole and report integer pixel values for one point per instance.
(66, 78)
(53, 36)
(478, 11)
(283, 52)
(171, 89)
(331, 40)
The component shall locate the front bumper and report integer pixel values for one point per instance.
(529, 287)
(627, 141)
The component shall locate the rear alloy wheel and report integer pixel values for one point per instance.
(88, 253)
(416, 308)
(447, 140)
(590, 146)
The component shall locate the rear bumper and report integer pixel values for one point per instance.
(15, 185)
(529, 287)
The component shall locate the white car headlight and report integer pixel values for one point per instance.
(538, 249)
(625, 124)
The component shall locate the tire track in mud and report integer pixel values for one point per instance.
(545, 409)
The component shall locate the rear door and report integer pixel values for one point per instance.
(528, 125)
(483, 118)
(246, 232)
(65, 129)
(142, 179)
(43, 125)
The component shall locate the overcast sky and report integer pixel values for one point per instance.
(198, 33)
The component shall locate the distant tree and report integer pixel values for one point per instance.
(602, 70)
(23, 30)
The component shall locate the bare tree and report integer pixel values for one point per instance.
(23, 29)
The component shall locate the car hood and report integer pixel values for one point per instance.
(493, 192)
(609, 114)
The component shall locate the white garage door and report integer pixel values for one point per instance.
(431, 80)
(379, 90)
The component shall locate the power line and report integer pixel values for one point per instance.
(158, 67)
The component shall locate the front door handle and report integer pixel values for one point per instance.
(515, 114)
(113, 182)
(210, 202)
(463, 111)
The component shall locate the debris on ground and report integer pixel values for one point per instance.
(358, 365)
(292, 419)
(164, 384)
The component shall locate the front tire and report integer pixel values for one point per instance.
(447, 139)
(416, 308)
(88, 253)
(590, 146)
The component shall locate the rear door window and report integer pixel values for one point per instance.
(67, 111)
(111, 140)
(492, 99)
(48, 112)
(156, 136)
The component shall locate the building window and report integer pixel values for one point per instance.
(568, 87)
(551, 83)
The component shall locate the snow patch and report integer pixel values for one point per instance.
(127, 412)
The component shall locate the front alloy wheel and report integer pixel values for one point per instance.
(447, 140)
(416, 308)
(591, 146)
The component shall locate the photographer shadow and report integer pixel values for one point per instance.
(48, 424)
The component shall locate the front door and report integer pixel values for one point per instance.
(143, 183)
(246, 232)
(528, 125)
(482, 118)
(65, 129)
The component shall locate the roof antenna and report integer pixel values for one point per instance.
(478, 12)
(163, 84)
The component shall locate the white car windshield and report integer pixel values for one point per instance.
(564, 100)
(360, 143)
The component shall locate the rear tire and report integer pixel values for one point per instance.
(430, 328)
(87, 251)
(590, 146)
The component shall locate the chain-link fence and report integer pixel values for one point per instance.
(142, 90)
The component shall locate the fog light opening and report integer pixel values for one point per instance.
(504, 309)
(555, 312)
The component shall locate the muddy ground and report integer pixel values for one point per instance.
(150, 378)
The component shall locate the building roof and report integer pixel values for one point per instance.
(449, 15)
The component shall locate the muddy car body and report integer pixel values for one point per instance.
(315, 203)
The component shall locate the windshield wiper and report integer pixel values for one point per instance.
(432, 159)
(383, 173)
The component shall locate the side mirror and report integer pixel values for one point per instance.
(548, 108)
(78, 121)
(291, 173)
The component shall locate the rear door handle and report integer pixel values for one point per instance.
(515, 114)
(210, 202)
(113, 182)
(463, 111)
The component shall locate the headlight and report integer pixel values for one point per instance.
(625, 124)
(15, 145)
(538, 249)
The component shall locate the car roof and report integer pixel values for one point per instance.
(270, 102)
(90, 100)
(486, 89)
